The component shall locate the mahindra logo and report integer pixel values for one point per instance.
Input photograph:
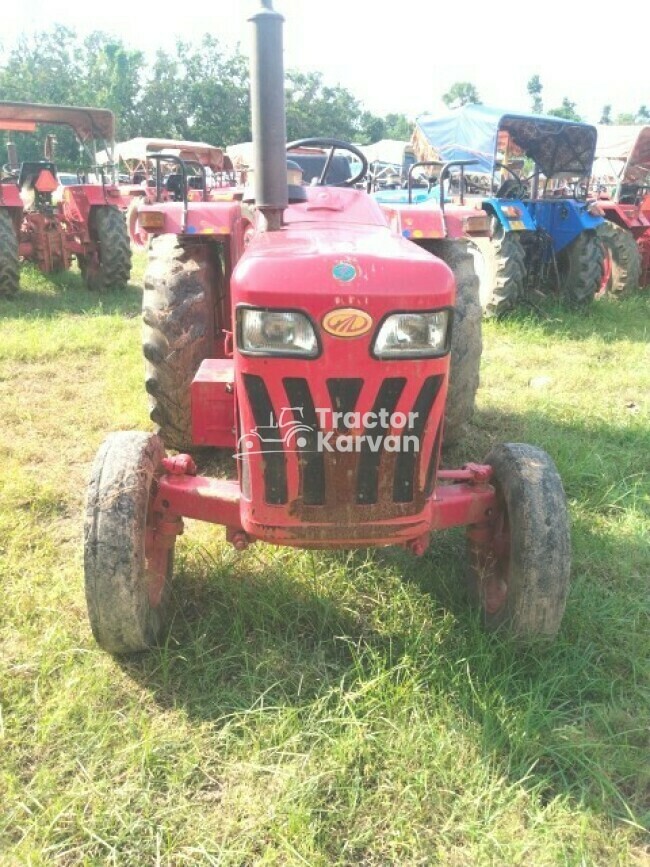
(347, 322)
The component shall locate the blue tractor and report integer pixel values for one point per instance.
(530, 173)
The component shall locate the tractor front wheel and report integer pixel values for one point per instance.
(9, 267)
(466, 337)
(624, 272)
(581, 268)
(127, 561)
(182, 286)
(519, 566)
(503, 271)
(109, 267)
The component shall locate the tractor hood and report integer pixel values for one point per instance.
(89, 124)
(478, 132)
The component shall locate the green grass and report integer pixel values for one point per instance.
(324, 709)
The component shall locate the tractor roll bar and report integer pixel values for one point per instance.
(446, 168)
(158, 158)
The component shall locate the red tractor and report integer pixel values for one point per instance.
(302, 333)
(48, 223)
(159, 169)
(622, 170)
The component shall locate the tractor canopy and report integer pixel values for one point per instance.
(137, 151)
(623, 154)
(484, 134)
(89, 124)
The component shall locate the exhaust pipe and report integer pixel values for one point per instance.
(12, 156)
(269, 124)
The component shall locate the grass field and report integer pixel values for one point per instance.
(324, 709)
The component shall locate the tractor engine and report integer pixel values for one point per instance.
(341, 367)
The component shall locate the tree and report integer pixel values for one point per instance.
(606, 116)
(461, 93)
(643, 114)
(535, 88)
(625, 119)
(567, 110)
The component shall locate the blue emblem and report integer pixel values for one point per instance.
(344, 271)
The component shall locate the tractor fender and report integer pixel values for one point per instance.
(416, 222)
(511, 214)
(10, 196)
(219, 219)
(564, 220)
(79, 199)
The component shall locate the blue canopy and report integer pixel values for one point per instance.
(478, 131)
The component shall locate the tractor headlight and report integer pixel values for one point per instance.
(276, 332)
(413, 335)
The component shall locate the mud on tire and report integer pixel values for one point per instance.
(624, 258)
(127, 612)
(521, 581)
(182, 287)
(466, 339)
(9, 265)
(581, 269)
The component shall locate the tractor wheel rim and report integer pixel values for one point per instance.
(156, 555)
(497, 581)
(607, 273)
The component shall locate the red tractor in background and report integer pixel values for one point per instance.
(49, 225)
(160, 169)
(298, 330)
(622, 172)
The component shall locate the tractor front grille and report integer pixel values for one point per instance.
(371, 478)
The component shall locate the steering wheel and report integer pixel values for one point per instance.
(513, 187)
(334, 145)
(9, 171)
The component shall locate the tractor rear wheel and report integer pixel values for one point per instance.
(127, 565)
(110, 268)
(581, 268)
(9, 267)
(520, 577)
(503, 275)
(624, 258)
(466, 337)
(182, 285)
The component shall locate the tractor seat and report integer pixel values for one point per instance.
(174, 186)
(39, 176)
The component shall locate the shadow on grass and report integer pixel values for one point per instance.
(49, 296)
(278, 629)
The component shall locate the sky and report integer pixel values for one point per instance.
(401, 57)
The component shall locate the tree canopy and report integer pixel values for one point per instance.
(196, 91)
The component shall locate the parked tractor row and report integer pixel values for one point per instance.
(325, 331)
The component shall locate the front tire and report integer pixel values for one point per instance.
(127, 577)
(520, 578)
(182, 287)
(581, 269)
(624, 259)
(9, 264)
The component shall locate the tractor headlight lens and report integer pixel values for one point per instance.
(276, 332)
(414, 335)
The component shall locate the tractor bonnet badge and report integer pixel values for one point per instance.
(344, 271)
(347, 322)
